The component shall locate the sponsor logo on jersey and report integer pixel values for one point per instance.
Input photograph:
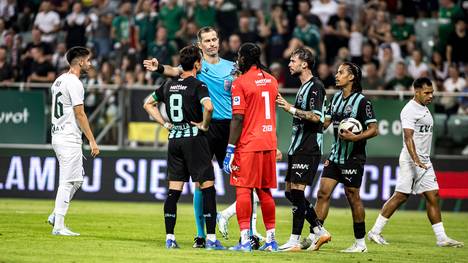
(425, 128)
(236, 101)
(348, 110)
(177, 87)
(262, 82)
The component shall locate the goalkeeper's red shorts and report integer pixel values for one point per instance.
(254, 169)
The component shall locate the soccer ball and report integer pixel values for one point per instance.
(350, 124)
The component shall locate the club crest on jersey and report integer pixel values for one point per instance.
(300, 99)
(236, 101)
(348, 110)
(227, 84)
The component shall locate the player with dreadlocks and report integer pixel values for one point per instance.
(251, 152)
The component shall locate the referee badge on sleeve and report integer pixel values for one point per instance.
(236, 101)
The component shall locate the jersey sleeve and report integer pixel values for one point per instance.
(408, 120)
(238, 98)
(328, 110)
(76, 92)
(202, 93)
(317, 97)
(158, 94)
(366, 112)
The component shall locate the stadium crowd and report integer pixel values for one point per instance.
(394, 41)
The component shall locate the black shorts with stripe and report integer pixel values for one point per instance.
(189, 157)
(350, 174)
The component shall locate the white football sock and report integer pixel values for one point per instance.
(211, 237)
(270, 235)
(439, 231)
(245, 236)
(380, 223)
(361, 242)
(170, 237)
(62, 201)
(230, 211)
(295, 238)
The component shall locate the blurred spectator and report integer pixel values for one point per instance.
(277, 25)
(387, 63)
(162, 49)
(401, 81)
(8, 12)
(101, 24)
(233, 47)
(343, 56)
(367, 56)
(402, 31)
(371, 79)
(6, 70)
(454, 82)
(456, 44)
(41, 69)
(204, 14)
(47, 21)
(356, 40)
(121, 29)
(463, 109)
(426, 30)
(305, 7)
(379, 27)
(59, 60)
(226, 17)
(308, 34)
(75, 27)
(326, 76)
(25, 19)
(439, 67)
(246, 33)
(324, 9)
(146, 21)
(173, 18)
(190, 36)
(417, 68)
(448, 11)
(337, 32)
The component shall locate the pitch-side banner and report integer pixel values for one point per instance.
(144, 179)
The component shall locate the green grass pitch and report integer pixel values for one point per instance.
(134, 232)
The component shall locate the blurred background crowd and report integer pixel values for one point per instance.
(394, 41)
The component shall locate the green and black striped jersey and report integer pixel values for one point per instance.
(183, 99)
(355, 106)
(307, 136)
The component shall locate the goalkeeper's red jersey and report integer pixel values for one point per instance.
(254, 95)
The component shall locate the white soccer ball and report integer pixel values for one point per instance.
(350, 124)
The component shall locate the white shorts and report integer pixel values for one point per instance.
(415, 180)
(70, 163)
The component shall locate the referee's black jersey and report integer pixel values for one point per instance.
(355, 106)
(307, 136)
(183, 99)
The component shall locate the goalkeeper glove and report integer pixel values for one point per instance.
(229, 158)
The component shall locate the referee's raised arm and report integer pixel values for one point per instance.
(166, 70)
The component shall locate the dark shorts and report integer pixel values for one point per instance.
(302, 168)
(349, 174)
(189, 157)
(218, 136)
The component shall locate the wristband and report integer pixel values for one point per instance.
(160, 69)
(292, 110)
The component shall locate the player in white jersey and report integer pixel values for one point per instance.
(68, 117)
(416, 171)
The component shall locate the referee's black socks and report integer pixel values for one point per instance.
(170, 210)
(209, 209)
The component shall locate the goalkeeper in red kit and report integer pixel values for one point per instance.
(251, 152)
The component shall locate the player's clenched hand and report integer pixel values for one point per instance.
(151, 64)
(229, 158)
(421, 165)
(279, 155)
(282, 103)
(94, 148)
(348, 136)
(168, 125)
(199, 125)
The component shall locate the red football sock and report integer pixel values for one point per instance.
(268, 207)
(243, 207)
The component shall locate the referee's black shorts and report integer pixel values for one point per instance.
(218, 136)
(189, 157)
